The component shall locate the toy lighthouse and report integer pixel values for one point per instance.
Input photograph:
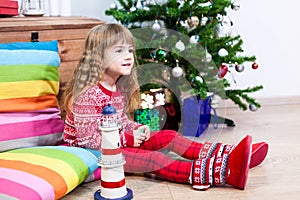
(113, 184)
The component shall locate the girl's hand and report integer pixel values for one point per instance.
(141, 134)
(146, 132)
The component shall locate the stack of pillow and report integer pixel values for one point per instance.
(33, 162)
(29, 83)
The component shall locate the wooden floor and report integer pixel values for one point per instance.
(278, 177)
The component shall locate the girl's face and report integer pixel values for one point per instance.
(119, 60)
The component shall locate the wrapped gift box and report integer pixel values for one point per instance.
(8, 8)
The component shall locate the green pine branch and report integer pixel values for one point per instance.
(238, 95)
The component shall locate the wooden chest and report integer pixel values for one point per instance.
(69, 31)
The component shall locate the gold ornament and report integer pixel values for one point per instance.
(193, 21)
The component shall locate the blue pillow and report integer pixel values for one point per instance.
(48, 45)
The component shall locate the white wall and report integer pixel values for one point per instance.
(269, 31)
(92, 8)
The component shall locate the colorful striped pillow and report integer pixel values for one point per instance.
(48, 172)
(44, 45)
(29, 109)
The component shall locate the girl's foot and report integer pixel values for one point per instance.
(230, 168)
(258, 154)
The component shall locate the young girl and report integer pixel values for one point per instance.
(106, 74)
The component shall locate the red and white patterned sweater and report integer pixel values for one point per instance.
(82, 126)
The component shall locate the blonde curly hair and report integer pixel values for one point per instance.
(91, 65)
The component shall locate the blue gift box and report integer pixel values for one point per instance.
(196, 115)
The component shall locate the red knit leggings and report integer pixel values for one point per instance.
(148, 158)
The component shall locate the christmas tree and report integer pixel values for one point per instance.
(187, 46)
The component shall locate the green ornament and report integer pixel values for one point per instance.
(161, 54)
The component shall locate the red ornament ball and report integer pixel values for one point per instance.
(254, 65)
(223, 70)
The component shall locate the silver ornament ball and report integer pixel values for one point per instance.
(177, 71)
(194, 39)
(253, 107)
(219, 17)
(239, 67)
(146, 8)
(235, 6)
(132, 9)
(199, 79)
(156, 26)
(180, 45)
(223, 52)
(113, 6)
(204, 20)
(137, 24)
(161, 2)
